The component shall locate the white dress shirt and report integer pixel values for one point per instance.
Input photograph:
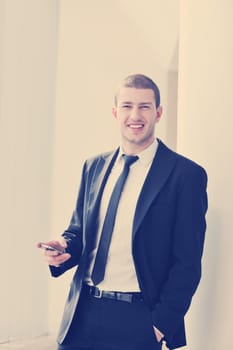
(120, 274)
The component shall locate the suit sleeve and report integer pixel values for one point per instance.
(74, 233)
(187, 248)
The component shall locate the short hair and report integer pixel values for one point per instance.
(139, 81)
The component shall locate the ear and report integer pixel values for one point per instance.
(159, 112)
(114, 112)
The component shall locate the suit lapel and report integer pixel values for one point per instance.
(100, 176)
(159, 172)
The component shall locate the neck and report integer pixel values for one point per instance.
(133, 149)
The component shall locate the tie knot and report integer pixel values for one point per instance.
(129, 160)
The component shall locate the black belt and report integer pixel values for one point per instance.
(120, 296)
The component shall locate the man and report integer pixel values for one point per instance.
(136, 234)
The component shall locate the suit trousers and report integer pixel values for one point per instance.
(106, 324)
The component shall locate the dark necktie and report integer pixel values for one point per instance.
(109, 221)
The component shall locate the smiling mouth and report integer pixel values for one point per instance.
(135, 126)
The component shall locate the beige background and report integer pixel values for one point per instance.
(59, 64)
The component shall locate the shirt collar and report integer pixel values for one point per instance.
(146, 156)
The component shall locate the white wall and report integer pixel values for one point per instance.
(99, 44)
(205, 124)
(41, 153)
(42, 149)
(28, 41)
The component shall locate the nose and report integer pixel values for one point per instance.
(134, 115)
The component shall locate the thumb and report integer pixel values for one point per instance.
(63, 242)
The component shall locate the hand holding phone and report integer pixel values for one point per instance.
(51, 248)
(55, 251)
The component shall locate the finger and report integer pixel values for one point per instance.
(38, 244)
(57, 260)
(49, 253)
(54, 244)
(59, 244)
(63, 242)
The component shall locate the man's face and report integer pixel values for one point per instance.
(137, 115)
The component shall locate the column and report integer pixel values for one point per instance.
(28, 37)
(205, 134)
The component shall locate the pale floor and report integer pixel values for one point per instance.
(40, 343)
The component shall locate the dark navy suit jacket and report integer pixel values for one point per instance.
(167, 239)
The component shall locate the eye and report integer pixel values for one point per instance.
(144, 107)
(126, 106)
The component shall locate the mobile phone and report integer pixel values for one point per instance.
(54, 249)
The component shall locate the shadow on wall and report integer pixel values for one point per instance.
(210, 284)
(171, 113)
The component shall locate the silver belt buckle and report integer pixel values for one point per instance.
(99, 295)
